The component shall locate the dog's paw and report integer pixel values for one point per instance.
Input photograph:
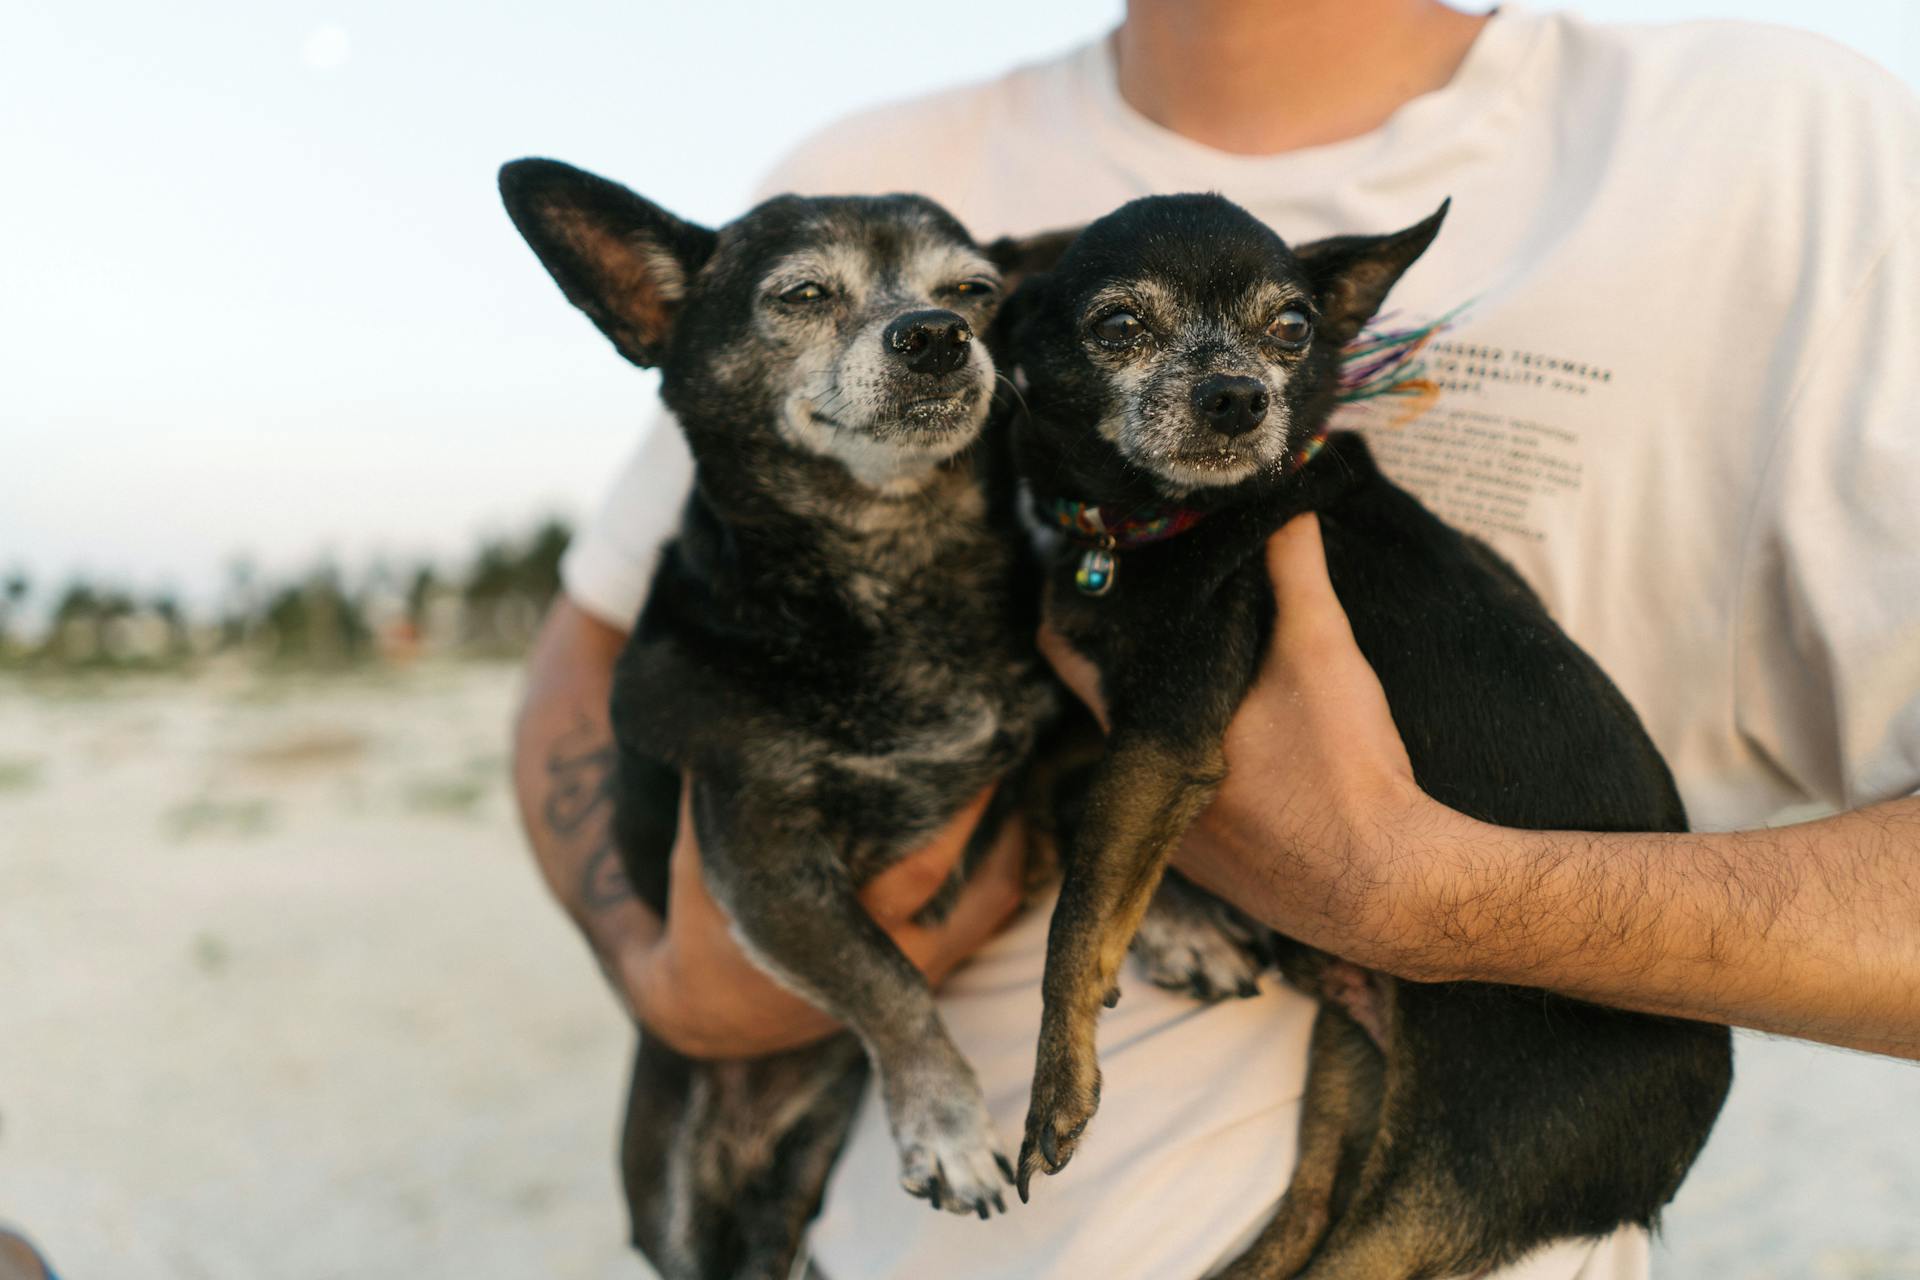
(1066, 1093)
(949, 1154)
(1193, 951)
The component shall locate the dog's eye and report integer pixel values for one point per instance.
(806, 292)
(1119, 328)
(973, 289)
(1291, 328)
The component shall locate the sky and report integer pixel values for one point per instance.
(257, 295)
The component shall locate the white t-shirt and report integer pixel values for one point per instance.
(1680, 391)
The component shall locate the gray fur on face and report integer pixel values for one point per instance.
(834, 649)
(847, 396)
(1152, 418)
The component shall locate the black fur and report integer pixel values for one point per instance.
(1492, 1119)
(837, 647)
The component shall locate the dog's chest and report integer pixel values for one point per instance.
(896, 562)
(945, 680)
(935, 690)
(934, 735)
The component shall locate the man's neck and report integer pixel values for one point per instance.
(1257, 77)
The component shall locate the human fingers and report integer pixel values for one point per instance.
(1315, 662)
(696, 986)
(897, 894)
(989, 898)
(1308, 611)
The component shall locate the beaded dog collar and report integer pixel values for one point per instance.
(1101, 531)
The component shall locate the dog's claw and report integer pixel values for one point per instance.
(1006, 1167)
(1249, 988)
(999, 1202)
(948, 1152)
(1066, 1094)
(980, 1207)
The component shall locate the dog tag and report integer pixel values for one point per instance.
(1094, 577)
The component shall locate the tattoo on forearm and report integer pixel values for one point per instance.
(603, 882)
(579, 805)
(580, 777)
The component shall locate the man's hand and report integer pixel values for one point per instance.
(689, 981)
(1320, 832)
(1304, 832)
(693, 985)
(1319, 817)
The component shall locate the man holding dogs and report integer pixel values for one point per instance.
(1682, 271)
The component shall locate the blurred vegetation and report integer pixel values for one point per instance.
(320, 620)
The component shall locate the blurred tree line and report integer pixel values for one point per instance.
(320, 619)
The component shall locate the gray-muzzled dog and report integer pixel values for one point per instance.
(837, 648)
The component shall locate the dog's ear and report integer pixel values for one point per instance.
(1352, 274)
(624, 261)
(1019, 257)
(1022, 261)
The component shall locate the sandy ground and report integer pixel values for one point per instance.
(281, 999)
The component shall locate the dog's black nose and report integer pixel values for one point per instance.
(1231, 404)
(929, 341)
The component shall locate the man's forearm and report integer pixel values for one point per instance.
(1322, 832)
(563, 771)
(1811, 930)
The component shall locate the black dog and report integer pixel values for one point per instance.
(1178, 365)
(838, 648)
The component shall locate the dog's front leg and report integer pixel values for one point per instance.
(1147, 792)
(796, 911)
